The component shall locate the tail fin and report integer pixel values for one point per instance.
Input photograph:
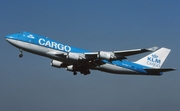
(155, 59)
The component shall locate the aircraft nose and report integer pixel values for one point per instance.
(8, 37)
(11, 37)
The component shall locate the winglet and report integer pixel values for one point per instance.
(152, 48)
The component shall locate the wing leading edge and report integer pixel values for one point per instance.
(120, 54)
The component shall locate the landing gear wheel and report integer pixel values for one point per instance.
(75, 73)
(20, 55)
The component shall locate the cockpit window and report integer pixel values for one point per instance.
(22, 33)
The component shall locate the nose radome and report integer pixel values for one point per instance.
(8, 36)
(11, 37)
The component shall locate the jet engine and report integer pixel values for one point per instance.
(106, 55)
(73, 56)
(70, 68)
(56, 63)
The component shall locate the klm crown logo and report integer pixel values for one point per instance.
(153, 60)
(154, 56)
(30, 36)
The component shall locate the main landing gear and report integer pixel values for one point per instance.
(74, 73)
(20, 55)
(83, 69)
(85, 72)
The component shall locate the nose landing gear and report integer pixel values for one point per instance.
(20, 55)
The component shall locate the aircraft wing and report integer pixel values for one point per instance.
(135, 51)
(118, 54)
(114, 55)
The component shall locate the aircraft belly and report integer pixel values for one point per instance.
(116, 69)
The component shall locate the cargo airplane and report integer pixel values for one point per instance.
(80, 60)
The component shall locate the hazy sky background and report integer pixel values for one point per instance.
(31, 84)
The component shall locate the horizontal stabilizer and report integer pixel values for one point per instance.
(154, 70)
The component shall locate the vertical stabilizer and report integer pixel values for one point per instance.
(155, 59)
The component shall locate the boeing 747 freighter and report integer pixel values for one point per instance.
(80, 60)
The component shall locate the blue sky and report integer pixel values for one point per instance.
(31, 83)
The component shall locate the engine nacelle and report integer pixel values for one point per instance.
(106, 55)
(73, 56)
(56, 63)
(70, 68)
